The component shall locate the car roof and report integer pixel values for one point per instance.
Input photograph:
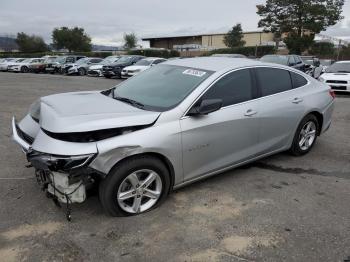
(342, 62)
(216, 63)
(152, 58)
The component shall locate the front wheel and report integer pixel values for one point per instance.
(135, 186)
(81, 71)
(305, 136)
(24, 69)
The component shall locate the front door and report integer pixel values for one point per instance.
(227, 136)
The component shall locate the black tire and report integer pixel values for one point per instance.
(24, 69)
(81, 71)
(108, 188)
(296, 149)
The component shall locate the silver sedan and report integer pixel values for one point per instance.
(171, 125)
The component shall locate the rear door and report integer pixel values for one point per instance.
(280, 109)
(227, 136)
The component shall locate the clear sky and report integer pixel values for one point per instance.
(106, 20)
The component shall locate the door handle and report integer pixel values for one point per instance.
(250, 112)
(297, 100)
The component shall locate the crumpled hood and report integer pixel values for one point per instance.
(336, 76)
(89, 111)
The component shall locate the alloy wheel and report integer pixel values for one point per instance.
(139, 191)
(307, 135)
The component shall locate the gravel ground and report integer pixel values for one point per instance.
(279, 209)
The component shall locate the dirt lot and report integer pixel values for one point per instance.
(280, 209)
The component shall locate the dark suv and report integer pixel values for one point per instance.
(289, 60)
(115, 69)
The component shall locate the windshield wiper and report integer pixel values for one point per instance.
(129, 101)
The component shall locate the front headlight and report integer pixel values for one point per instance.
(58, 163)
(34, 110)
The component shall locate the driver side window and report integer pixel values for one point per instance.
(234, 88)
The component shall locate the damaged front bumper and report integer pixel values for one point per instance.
(63, 177)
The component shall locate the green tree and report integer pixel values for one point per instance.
(234, 37)
(30, 43)
(130, 40)
(323, 49)
(300, 19)
(73, 39)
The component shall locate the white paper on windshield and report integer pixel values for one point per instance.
(194, 72)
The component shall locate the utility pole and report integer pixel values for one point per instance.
(339, 46)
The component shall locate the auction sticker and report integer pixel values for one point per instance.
(194, 72)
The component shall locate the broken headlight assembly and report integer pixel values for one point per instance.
(66, 164)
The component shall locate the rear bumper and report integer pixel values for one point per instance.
(340, 87)
(327, 117)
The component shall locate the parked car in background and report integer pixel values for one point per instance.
(81, 66)
(38, 66)
(293, 61)
(337, 76)
(7, 61)
(169, 126)
(70, 62)
(325, 63)
(141, 65)
(96, 70)
(62, 64)
(115, 69)
(229, 55)
(24, 65)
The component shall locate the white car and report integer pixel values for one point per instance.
(23, 66)
(8, 61)
(338, 76)
(140, 66)
(96, 70)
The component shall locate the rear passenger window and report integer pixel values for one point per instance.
(298, 80)
(233, 88)
(273, 80)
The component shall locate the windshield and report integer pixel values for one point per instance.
(144, 62)
(109, 60)
(82, 61)
(124, 59)
(61, 59)
(162, 87)
(308, 61)
(25, 61)
(339, 68)
(50, 59)
(21, 60)
(282, 60)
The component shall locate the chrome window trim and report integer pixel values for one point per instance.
(184, 116)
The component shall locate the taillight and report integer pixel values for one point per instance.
(332, 93)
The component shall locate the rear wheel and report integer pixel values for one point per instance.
(305, 136)
(135, 186)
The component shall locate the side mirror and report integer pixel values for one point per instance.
(292, 64)
(206, 107)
